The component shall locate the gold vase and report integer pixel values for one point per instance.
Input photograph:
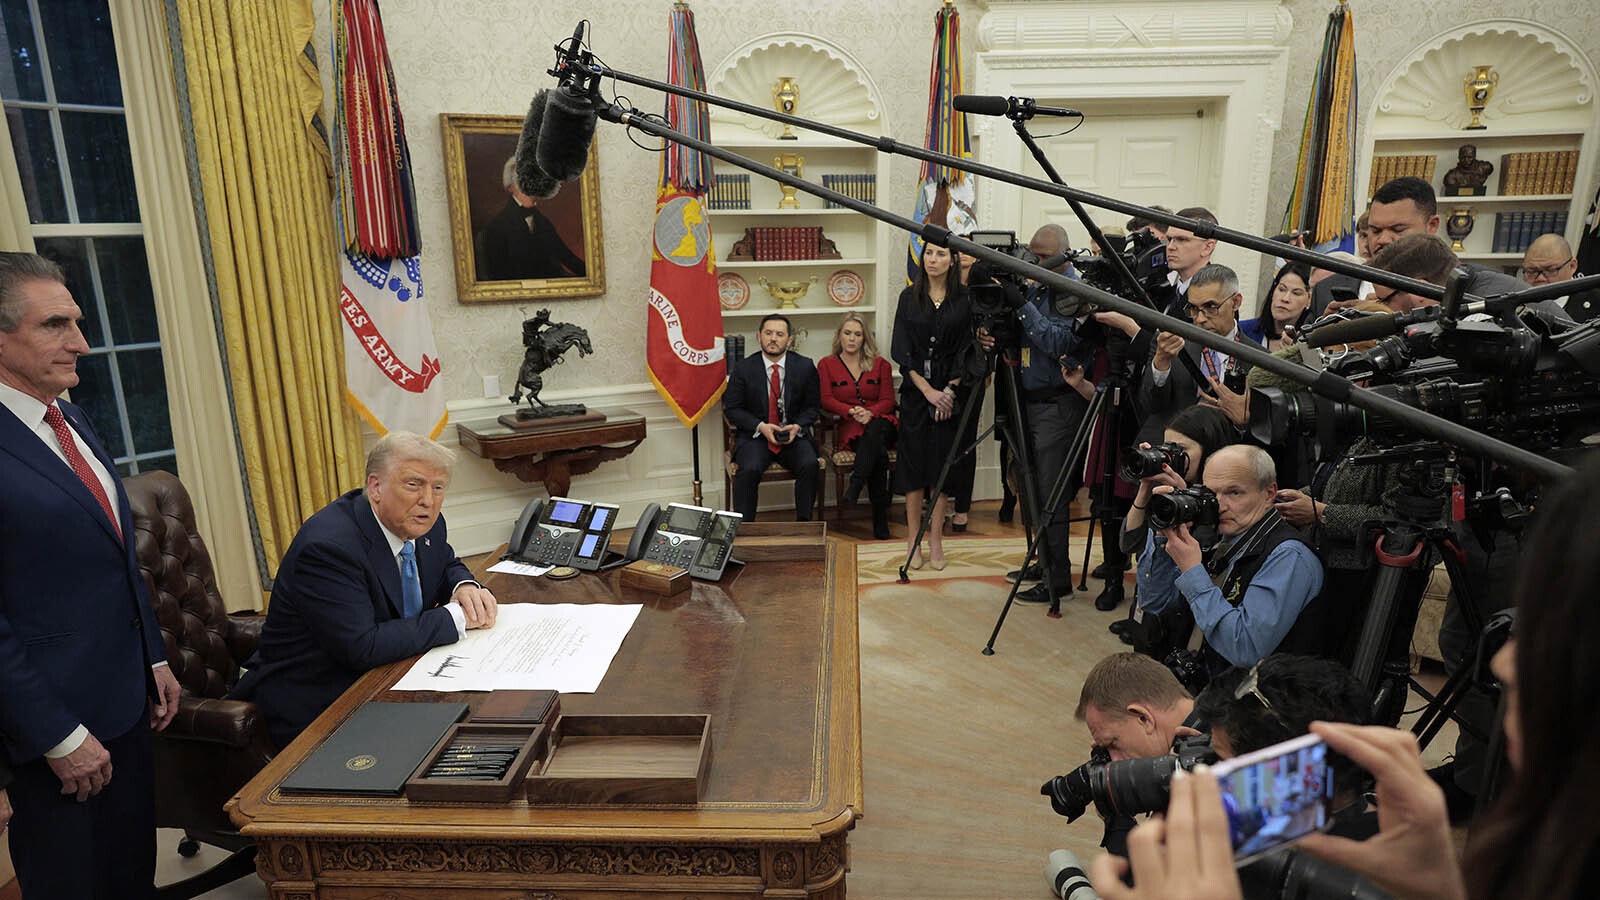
(785, 99)
(793, 165)
(1479, 88)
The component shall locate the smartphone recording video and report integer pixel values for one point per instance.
(1275, 795)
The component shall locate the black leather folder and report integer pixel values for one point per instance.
(375, 750)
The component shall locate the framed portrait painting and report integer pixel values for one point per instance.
(509, 246)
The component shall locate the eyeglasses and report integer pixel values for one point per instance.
(1543, 271)
(1209, 308)
(1250, 687)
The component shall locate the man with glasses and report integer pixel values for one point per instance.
(1549, 259)
(1247, 592)
(1212, 302)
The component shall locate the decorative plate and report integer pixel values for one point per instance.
(732, 290)
(846, 288)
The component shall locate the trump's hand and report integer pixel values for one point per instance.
(165, 705)
(478, 606)
(84, 771)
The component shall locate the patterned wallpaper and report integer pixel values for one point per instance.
(489, 56)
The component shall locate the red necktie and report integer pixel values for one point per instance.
(80, 466)
(774, 391)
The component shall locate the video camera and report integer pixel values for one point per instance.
(1126, 786)
(1516, 382)
(989, 283)
(1145, 255)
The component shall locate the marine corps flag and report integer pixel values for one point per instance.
(684, 337)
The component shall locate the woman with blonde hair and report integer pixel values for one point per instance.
(858, 387)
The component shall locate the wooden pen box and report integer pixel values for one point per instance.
(624, 759)
(657, 578)
(528, 743)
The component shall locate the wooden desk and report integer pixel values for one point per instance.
(771, 654)
(553, 454)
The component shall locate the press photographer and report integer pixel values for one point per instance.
(1213, 303)
(1247, 591)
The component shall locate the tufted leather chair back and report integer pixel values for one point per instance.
(202, 647)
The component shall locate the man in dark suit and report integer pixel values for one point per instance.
(1167, 387)
(771, 423)
(368, 580)
(521, 242)
(80, 652)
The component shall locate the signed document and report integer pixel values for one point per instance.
(564, 647)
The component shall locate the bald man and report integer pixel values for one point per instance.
(1550, 259)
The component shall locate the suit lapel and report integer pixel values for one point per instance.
(25, 445)
(378, 555)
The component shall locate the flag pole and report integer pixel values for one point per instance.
(694, 443)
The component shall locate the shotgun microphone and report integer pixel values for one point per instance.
(531, 179)
(565, 133)
(1012, 107)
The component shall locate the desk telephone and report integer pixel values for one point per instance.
(566, 532)
(563, 532)
(690, 537)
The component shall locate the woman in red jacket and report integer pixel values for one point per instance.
(858, 387)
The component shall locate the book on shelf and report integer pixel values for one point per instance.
(1540, 172)
(1388, 168)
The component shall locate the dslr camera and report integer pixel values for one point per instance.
(1195, 506)
(1127, 786)
(1146, 462)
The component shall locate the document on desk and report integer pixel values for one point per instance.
(564, 647)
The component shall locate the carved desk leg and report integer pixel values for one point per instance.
(555, 469)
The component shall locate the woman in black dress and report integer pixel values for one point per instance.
(932, 336)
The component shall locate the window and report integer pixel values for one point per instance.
(63, 107)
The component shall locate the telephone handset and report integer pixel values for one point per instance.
(690, 537)
(559, 531)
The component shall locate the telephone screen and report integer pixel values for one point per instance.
(601, 520)
(684, 519)
(565, 512)
(587, 549)
(722, 528)
(708, 555)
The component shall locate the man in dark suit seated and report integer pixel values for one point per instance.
(81, 655)
(773, 399)
(369, 580)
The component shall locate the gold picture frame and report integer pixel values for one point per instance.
(495, 243)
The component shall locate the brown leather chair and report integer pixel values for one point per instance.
(214, 745)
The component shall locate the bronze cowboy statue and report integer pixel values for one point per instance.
(544, 342)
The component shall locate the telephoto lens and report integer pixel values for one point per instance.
(1195, 505)
(1064, 875)
(1146, 462)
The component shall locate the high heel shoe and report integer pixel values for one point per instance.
(916, 558)
(958, 527)
(936, 560)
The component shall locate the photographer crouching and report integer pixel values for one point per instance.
(1222, 549)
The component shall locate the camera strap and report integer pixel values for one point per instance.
(1222, 559)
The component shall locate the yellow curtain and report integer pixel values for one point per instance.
(264, 174)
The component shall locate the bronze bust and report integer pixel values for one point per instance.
(1469, 175)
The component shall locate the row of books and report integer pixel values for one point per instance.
(1541, 172)
(858, 187)
(730, 192)
(794, 242)
(1514, 231)
(1388, 168)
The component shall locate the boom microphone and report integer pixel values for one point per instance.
(564, 136)
(986, 105)
(1345, 330)
(531, 179)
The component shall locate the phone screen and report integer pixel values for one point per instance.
(1275, 795)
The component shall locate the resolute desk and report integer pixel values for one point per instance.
(771, 654)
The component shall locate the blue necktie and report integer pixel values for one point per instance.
(410, 584)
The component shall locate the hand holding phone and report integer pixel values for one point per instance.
(1275, 795)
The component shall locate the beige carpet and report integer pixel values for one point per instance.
(956, 744)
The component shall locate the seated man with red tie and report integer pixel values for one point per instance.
(368, 580)
(773, 399)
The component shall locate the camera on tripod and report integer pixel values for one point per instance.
(1143, 253)
(988, 284)
(1126, 786)
(1147, 462)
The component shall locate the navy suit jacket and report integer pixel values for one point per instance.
(1159, 403)
(77, 631)
(336, 612)
(745, 400)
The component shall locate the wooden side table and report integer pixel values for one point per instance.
(552, 455)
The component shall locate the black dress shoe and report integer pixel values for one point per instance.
(852, 491)
(1032, 573)
(1039, 594)
(1120, 627)
(1110, 598)
(1108, 570)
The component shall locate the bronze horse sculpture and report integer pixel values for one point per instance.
(544, 342)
